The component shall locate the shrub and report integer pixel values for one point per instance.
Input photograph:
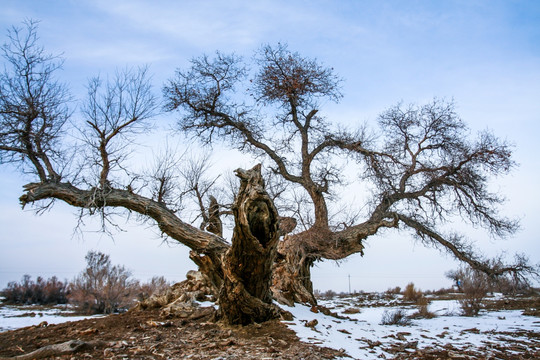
(102, 288)
(397, 317)
(41, 292)
(475, 286)
(157, 285)
(424, 313)
(394, 291)
(411, 294)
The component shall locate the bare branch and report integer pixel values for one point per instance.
(115, 112)
(33, 105)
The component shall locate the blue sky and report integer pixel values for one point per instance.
(483, 54)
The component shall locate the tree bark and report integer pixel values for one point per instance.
(297, 253)
(245, 296)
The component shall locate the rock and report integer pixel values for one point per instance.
(311, 323)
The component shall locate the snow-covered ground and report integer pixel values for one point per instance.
(358, 330)
(15, 317)
(362, 336)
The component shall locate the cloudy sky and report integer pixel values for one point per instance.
(483, 54)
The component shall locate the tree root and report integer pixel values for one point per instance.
(65, 348)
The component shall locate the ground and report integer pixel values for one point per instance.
(148, 335)
(342, 327)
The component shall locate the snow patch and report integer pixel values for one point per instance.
(15, 317)
(362, 336)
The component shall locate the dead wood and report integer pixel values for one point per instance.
(245, 296)
(65, 348)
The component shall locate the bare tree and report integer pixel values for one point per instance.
(198, 184)
(163, 177)
(33, 105)
(102, 288)
(115, 112)
(424, 167)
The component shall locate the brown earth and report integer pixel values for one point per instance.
(150, 334)
(147, 335)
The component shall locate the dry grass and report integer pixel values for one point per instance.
(397, 317)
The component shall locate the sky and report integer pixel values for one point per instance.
(485, 55)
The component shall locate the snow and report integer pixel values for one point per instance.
(15, 317)
(358, 335)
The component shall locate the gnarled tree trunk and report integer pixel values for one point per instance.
(245, 296)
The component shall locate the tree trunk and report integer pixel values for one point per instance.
(292, 280)
(245, 296)
(297, 254)
(292, 273)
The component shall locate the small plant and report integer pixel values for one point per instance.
(424, 313)
(393, 291)
(410, 294)
(396, 317)
(475, 286)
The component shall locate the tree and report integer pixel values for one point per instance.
(102, 288)
(423, 166)
(33, 106)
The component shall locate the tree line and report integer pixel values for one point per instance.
(101, 288)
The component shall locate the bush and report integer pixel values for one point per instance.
(393, 291)
(423, 313)
(41, 292)
(102, 288)
(397, 317)
(410, 294)
(157, 285)
(475, 286)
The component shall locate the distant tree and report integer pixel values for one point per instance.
(102, 288)
(422, 170)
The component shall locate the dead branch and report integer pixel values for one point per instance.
(65, 348)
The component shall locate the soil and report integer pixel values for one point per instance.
(148, 335)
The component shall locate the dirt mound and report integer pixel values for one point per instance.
(151, 335)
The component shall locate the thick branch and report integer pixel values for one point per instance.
(168, 222)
